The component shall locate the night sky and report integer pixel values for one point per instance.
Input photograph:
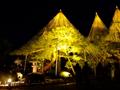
(20, 21)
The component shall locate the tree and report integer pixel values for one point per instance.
(58, 36)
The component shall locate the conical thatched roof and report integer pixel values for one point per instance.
(98, 30)
(114, 30)
(116, 17)
(59, 33)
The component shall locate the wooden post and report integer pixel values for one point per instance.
(42, 66)
(85, 56)
(58, 66)
(25, 63)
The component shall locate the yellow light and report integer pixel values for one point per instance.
(19, 75)
(75, 57)
(114, 29)
(64, 46)
(98, 22)
(98, 30)
(116, 16)
(65, 74)
(9, 80)
(75, 49)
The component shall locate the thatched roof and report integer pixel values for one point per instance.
(98, 30)
(114, 30)
(58, 33)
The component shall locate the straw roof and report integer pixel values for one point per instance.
(98, 30)
(114, 30)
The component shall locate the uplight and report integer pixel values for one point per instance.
(9, 80)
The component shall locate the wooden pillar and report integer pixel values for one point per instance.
(58, 65)
(34, 66)
(25, 63)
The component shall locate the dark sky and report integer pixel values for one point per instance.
(19, 21)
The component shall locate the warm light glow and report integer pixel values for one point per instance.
(98, 30)
(75, 57)
(65, 74)
(98, 23)
(59, 34)
(9, 80)
(19, 75)
(114, 30)
(116, 17)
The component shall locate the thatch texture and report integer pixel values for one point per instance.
(98, 30)
(59, 34)
(114, 30)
